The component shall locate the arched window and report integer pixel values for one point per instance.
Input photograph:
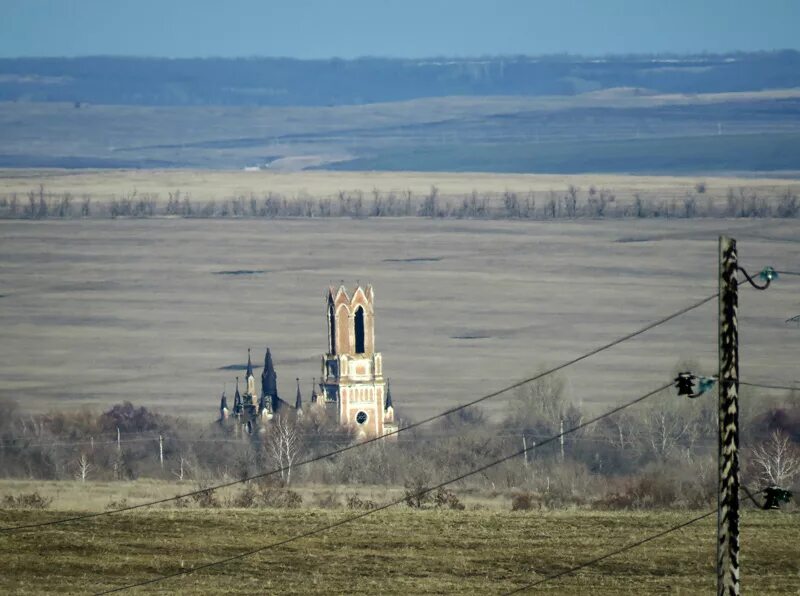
(359, 324)
(332, 328)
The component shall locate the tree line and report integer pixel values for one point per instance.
(660, 454)
(569, 204)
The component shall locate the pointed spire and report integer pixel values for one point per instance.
(269, 380)
(298, 400)
(388, 401)
(223, 402)
(249, 365)
(237, 398)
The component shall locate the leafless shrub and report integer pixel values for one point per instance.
(278, 498)
(447, 499)
(114, 505)
(355, 502)
(417, 493)
(206, 499)
(32, 500)
(524, 502)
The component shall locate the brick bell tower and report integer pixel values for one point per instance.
(353, 386)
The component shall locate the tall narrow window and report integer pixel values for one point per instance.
(332, 324)
(359, 322)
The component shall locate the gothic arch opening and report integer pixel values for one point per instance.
(359, 328)
(332, 329)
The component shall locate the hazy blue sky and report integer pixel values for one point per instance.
(412, 28)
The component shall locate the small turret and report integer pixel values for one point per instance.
(237, 400)
(223, 406)
(249, 378)
(388, 410)
(298, 400)
(314, 390)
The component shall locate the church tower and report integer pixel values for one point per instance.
(352, 384)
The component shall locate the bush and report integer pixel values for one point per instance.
(26, 501)
(279, 498)
(264, 496)
(245, 498)
(416, 490)
(523, 502)
(356, 502)
(206, 499)
(447, 499)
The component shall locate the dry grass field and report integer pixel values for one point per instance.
(97, 311)
(397, 551)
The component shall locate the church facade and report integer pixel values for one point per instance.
(352, 391)
(353, 385)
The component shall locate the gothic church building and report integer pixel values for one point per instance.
(352, 389)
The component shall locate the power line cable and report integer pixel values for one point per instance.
(766, 386)
(629, 546)
(346, 448)
(421, 493)
(610, 554)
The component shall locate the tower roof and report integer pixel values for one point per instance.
(298, 400)
(249, 365)
(269, 379)
(388, 396)
(223, 402)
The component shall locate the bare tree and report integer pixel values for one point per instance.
(84, 467)
(666, 427)
(181, 469)
(777, 460)
(284, 445)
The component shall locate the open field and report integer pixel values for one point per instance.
(609, 130)
(397, 551)
(153, 311)
(206, 185)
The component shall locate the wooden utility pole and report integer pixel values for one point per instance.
(119, 443)
(561, 438)
(728, 452)
(161, 450)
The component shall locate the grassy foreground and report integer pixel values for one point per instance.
(394, 551)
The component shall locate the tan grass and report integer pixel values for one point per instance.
(95, 312)
(202, 186)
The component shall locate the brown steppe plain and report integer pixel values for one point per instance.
(152, 310)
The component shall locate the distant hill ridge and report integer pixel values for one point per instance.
(292, 82)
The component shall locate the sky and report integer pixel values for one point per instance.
(400, 28)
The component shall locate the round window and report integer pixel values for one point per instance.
(361, 417)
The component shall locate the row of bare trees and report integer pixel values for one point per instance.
(660, 454)
(570, 204)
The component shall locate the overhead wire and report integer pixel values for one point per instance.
(608, 555)
(628, 547)
(770, 386)
(398, 501)
(371, 440)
